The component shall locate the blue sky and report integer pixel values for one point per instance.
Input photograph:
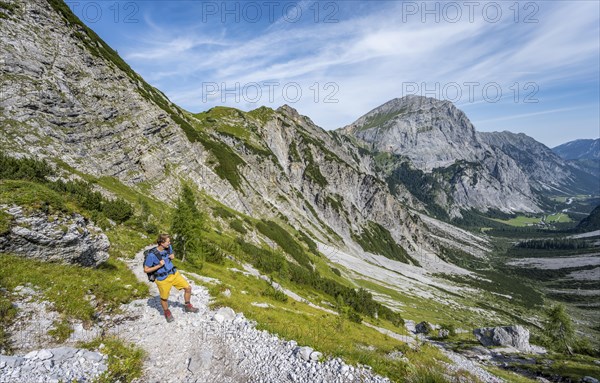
(531, 67)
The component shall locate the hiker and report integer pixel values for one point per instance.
(167, 276)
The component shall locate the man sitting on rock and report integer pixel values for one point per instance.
(167, 276)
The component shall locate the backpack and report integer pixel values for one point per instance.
(151, 276)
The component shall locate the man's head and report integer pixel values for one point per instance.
(163, 240)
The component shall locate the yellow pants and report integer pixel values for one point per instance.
(173, 280)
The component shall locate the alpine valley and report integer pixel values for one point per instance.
(336, 240)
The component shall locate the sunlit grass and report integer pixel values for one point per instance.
(523, 221)
(67, 286)
(520, 221)
(126, 242)
(509, 376)
(334, 336)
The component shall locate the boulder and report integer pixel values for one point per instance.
(304, 353)
(65, 238)
(225, 314)
(423, 328)
(513, 336)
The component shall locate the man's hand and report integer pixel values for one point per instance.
(161, 262)
(171, 256)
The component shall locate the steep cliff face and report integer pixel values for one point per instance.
(438, 138)
(430, 132)
(316, 179)
(465, 168)
(68, 96)
(545, 170)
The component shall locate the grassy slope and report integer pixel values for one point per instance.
(342, 337)
(335, 337)
(69, 287)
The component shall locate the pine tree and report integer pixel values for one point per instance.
(559, 327)
(117, 210)
(187, 226)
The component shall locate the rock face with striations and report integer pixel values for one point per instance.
(61, 238)
(68, 96)
(430, 132)
(438, 138)
(546, 171)
(499, 170)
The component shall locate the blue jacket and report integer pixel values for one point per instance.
(154, 258)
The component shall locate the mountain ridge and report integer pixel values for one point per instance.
(581, 149)
(438, 139)
(93, 114)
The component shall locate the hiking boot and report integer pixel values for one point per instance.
(190, 309)
(169, 316)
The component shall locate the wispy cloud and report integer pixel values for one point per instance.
(528, 115)
(372, 54)
(170, 49)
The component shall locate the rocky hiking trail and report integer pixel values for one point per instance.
(211, 346)
(220, 346)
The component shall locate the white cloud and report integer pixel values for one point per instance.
(370, 56)
(527, 115)
(168, 50)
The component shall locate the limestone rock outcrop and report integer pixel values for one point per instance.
(498, 170)
(59, 238)
(514, 336)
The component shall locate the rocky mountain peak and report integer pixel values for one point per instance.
(413, 103)
(431, 132)
(289, 111)
(500, 169)
(413, 115)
